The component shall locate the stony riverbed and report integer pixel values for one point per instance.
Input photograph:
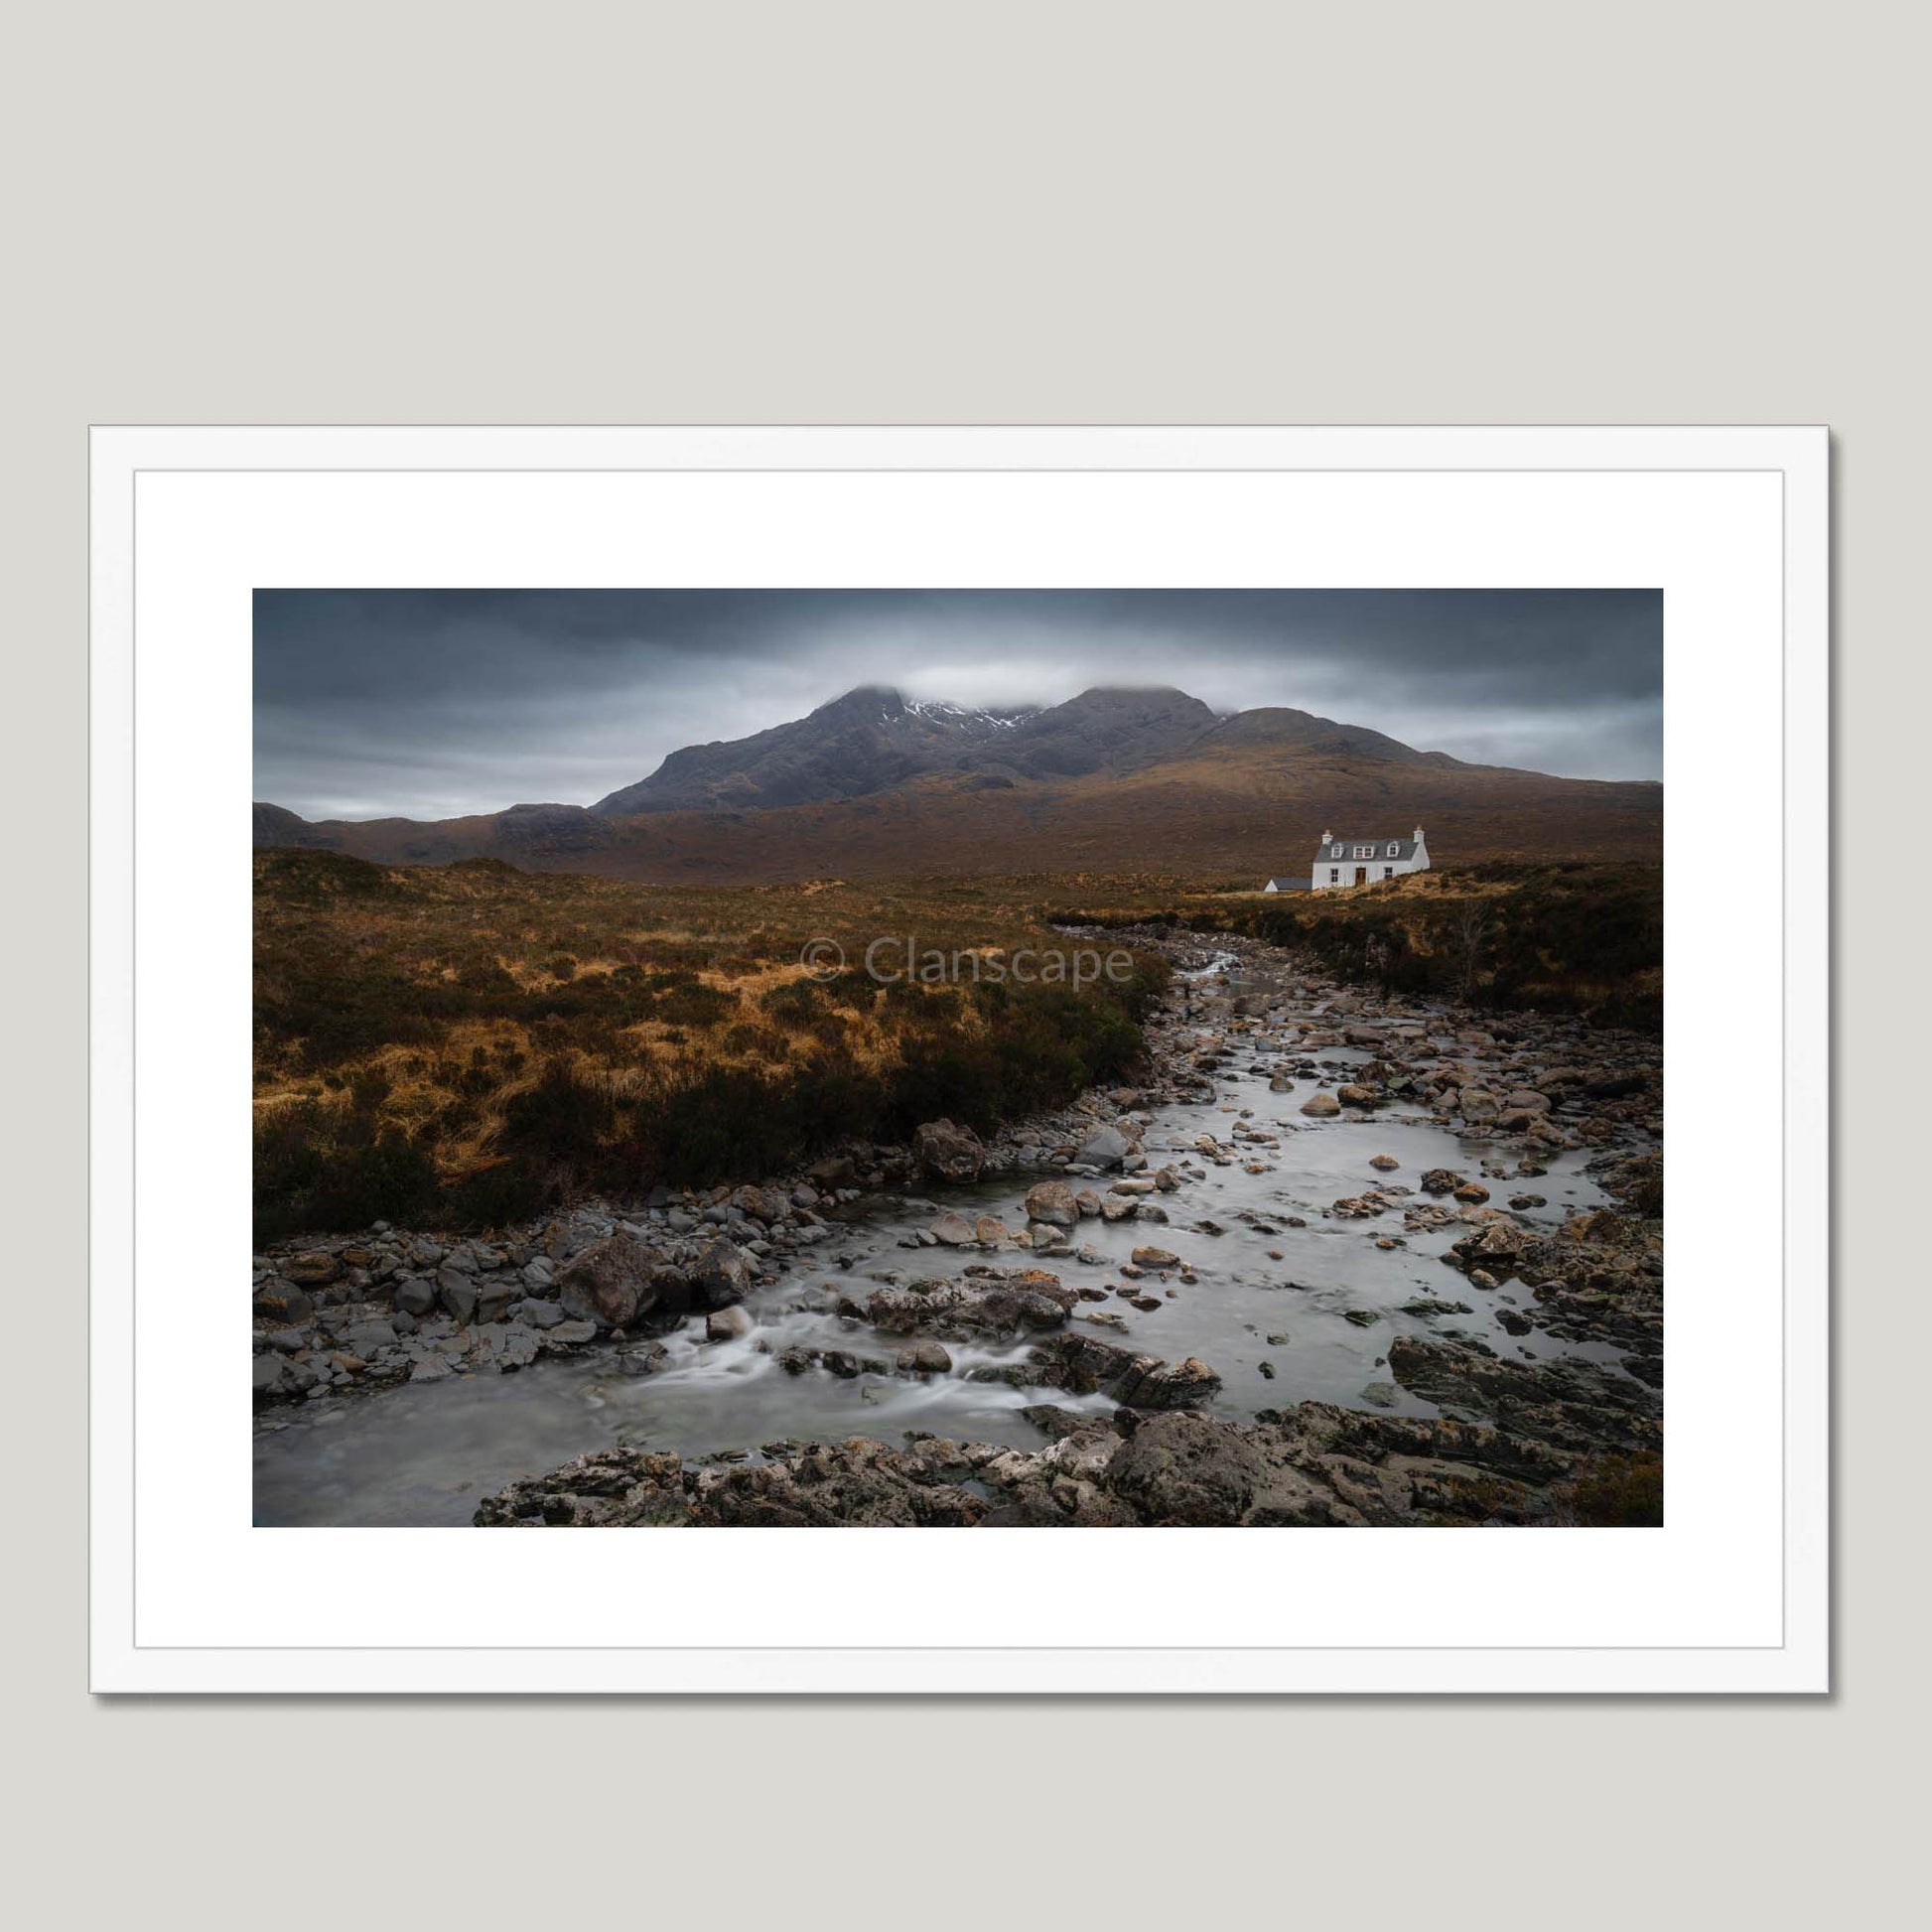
(1338, 1259)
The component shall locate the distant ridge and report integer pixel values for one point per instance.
(873, 738)
(1117, 780)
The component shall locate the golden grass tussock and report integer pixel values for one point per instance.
(473, 1041)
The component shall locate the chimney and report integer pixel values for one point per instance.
(1327, 835)
(1418, 834)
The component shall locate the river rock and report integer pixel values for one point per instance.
(282, 1303)
(1188, 1471)
(412, 1295)
(517, 1347)
(1150, 1383)
(1052, 1202)
(365, 1337)
(611, 1282)
(1154, 1258)
(726, 1325)
(955, 1230)
(722, 1274)
(456, 1292)
(1440, 1181)
(946, 1152)
(312, 1270)
(924, 1359)
(1322, 1106)
(1106, 1149)
(494, 1296)
(767, 1204)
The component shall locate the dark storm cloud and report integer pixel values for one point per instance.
(434, 703)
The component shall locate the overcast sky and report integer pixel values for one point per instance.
(431, 704)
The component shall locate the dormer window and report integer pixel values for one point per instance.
(1394, 849)
(1334, 852)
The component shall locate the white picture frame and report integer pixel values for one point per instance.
(1731, 1595)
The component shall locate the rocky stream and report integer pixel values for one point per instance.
(1339, 1259)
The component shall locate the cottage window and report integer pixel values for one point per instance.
(1394, 849)
(1388, 872)
(1334, 873)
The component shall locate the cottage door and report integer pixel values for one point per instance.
(1361, 874)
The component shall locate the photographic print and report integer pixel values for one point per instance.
(958, 1057)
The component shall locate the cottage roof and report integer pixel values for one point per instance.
(1332, 848)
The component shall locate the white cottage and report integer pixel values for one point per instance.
(1363, 862)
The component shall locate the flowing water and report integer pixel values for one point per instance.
(1266, 1293)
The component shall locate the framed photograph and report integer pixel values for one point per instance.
(1120, 990)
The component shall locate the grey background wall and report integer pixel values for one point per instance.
(1053, 213)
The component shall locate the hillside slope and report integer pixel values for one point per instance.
(1145, 780)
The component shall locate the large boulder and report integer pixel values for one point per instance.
(1053, 1202)
(1153, 1384)
(722, 1274)
(946, 1152)
(612, 1282)
(1106, 1149)
(1188, 1471)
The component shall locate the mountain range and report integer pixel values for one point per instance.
(1113, 779)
